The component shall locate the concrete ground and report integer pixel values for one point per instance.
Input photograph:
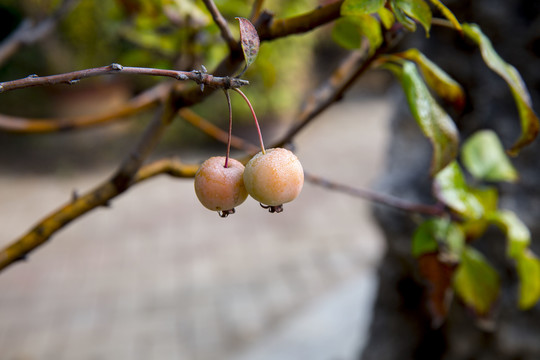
(157, 276)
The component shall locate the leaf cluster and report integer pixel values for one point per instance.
(443, 244)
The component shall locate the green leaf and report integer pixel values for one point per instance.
(361, 7)
(484, 157)
(528, 269)
(425, 238)
(447, 14)
(249, 39)
(401, 17)
(417, 10)
(451, 188)
(476, 282)
(348, 31)
(446, 87)
(439, 235)
(517, 233)
(434, 122)
(387, 17)
(530, 124)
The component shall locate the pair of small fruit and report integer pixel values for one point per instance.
(272, 177)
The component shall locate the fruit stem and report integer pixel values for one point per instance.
(254, 117)
(229, 137)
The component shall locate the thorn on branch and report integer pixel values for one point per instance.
(31, 76)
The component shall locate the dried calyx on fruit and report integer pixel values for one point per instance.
(273, 178)
(220, 188)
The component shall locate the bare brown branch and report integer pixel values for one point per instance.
(126, 175)
(331, 90)
(140, 103)
(277, 28)
(130, 172)
(200, 77)
(220, 21)
(80, 205)
(366, 194)
(29, 31)
(373, 196)
(256, 9)
(215, 132)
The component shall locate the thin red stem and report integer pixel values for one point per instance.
(254, 117)
(229, 135)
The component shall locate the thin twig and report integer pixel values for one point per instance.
(151, 136)
(267, 30)
(200, 77)
(278, 28)
(182, 97)
(220, 21)
(29, 31)
(376, 197)
(366, 194)
(122, 179)
(129, 172)
(331, 90)
(144, 101)
(256, 10)
(215, 132)
(82, 204)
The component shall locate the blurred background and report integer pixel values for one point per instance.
(157, 276)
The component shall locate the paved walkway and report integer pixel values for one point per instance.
(159, 277)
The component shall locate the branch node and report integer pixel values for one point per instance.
(117, 67)
(181, 76)
(31, 76)
(74, 195)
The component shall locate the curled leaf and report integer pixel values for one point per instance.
(434, 122)
(517, 233)
(402, 17)
(439, 235)
(451, 188)
(530, 125)
(476, 282)
(483, 155)
(437, 79)
(387, 17)
(447, 14)
(249, 40)
(528, 268)
(417, 10)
